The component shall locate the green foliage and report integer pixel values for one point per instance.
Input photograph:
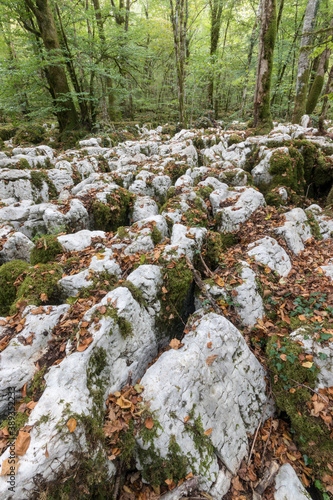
(9, 273)
(45, 250)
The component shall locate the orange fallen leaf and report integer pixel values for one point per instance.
(43, 297)
(174, 344)
(8, 468)
(149, 423)
(209, 345)
(84, 344)
(22, 443)
(71, 424)
(302, 317)
(186, 419)
(210, 360)
(124, 403)
(46, 452)
(208, 432)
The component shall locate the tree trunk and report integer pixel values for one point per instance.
(179, 26)
(262, 118)
(249, 57)
(303, 72)
(318, 82)
(328, 90)
(216, 8)
(85, 118)
(281, 73)
(279, 17)
(57, 79)
(109, 100)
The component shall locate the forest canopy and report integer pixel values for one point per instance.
(92, 62)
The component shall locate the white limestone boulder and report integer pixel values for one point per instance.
(17, 361)
(296, 230)
(268, 252)
(243, 202)
(261, 172)
(221, 383)
(18, 246)
(249, 303)
(185, 241)
(80, 240)
(71, 392)
(144, 206)
(288, 486)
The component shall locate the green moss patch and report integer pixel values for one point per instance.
(9, 273)
(116, 212)
(291, 384)
(43, 279)
(37, 180)
(31, 134)
(45, 250)
(287, 170)
(177, 279)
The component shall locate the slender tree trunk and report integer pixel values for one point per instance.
(57, 78)
(328, 90)
(249, 57)
(219, 79)
(179, 27)
(281, 74)
(303, 72)
(279, 17)
(318, 82)
(85, 118)
(109, 100)
(216, 8)
(262, 118)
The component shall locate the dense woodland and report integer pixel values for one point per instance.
(92, 63)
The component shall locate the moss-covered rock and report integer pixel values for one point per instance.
(37, 180)
(42, 279)
(290, 382)
(45, 250)
(31, 134)
(287, 170)
(234, 139)
(9, 273)
(115, 213)
(212, 249)
(175, 302)
(7, 131)
(274, 198)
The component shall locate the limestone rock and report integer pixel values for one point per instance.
(267, 251)
(288, 486)
(223, 386)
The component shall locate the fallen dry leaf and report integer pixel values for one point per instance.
(71, 424)
(8, 468)
(149, 423)
(22, 443)
(174, 344)
(210, 360)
